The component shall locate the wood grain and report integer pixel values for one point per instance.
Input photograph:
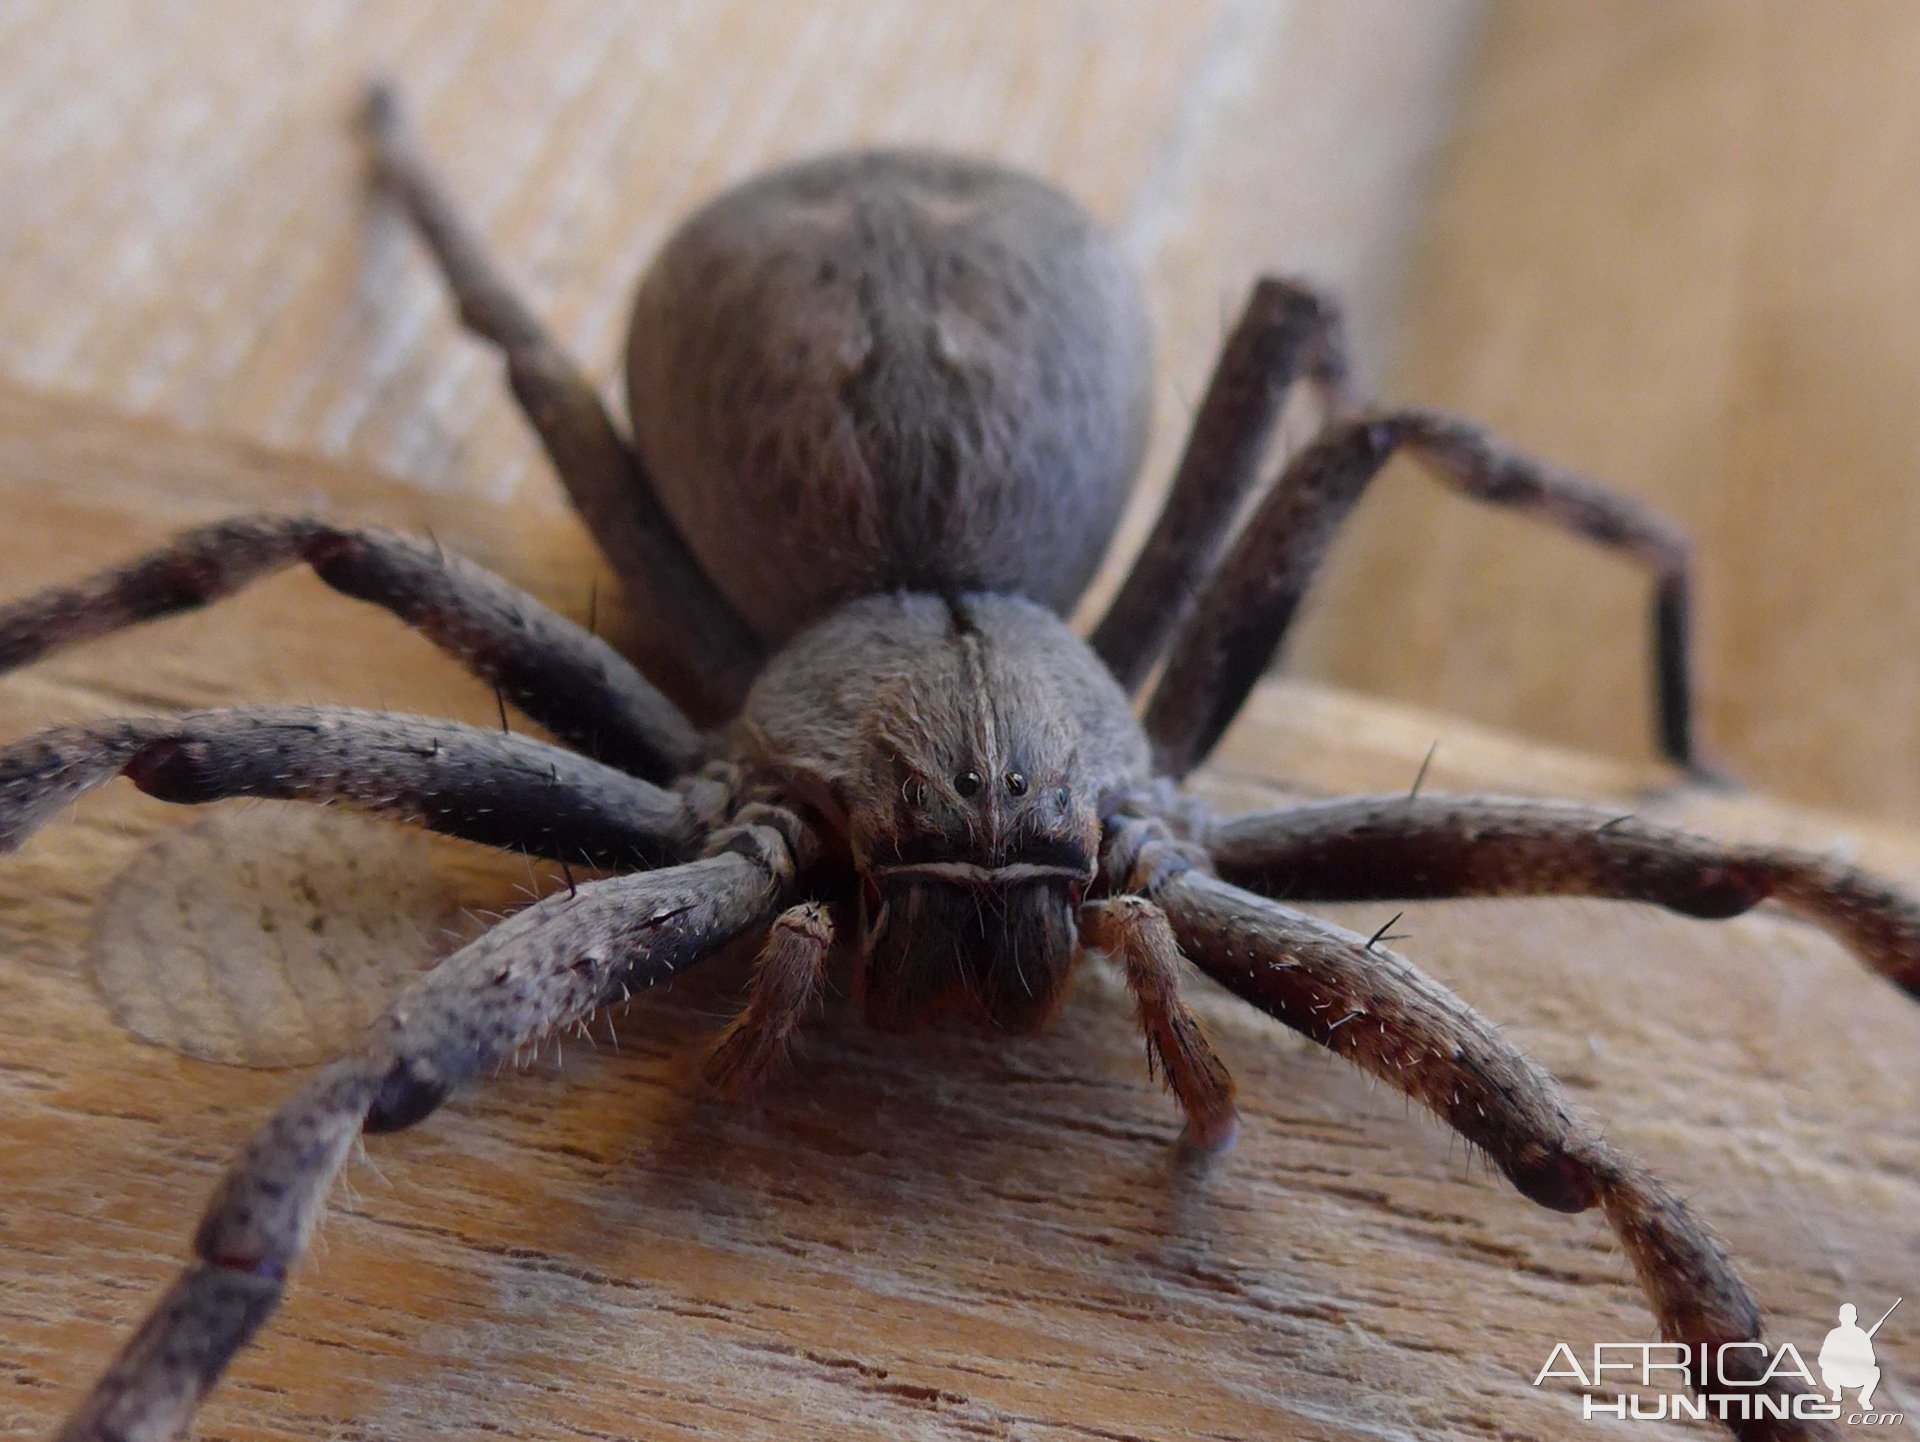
(949, 1238)
(1672, 245)
(187, 235)
(1668, 244)
(941, 1237)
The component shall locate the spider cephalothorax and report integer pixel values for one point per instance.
(963, 746)
(886, 410)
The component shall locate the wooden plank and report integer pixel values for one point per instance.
(1672, 246)
(937, 1237)
(187, 236)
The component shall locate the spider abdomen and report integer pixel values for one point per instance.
(887, 370)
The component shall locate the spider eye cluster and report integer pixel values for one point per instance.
(969, 783)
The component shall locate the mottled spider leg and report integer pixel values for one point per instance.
(486, 786)
(1377, 1010)
(1414, 848)
(548, 967)
(1243, 612)
(568, 680)
(786, 978)
(694, 642)
(1135, 933)
(1285, 333)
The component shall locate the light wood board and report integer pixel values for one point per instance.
(935, 1237)
(186, 234)
(1672, 245)
(945, 1237)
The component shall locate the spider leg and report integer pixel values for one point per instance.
(549, 966)
(1135, 932)
(1285, 333)
(695, 640)
(786, 979)
(1243, 612)
(1414, 848)
(1370, 1006)
(486, 786)
(568, 680)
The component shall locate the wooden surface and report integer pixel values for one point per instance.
(938, 1237)
(186, 236)
(946, 1237)
(1668, 243)
(1673, 245)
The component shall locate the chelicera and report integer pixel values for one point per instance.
(885, 410)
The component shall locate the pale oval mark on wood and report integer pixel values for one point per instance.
(272, 936)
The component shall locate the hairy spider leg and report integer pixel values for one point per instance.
(564, 677)
(1377, 1010)
(500, 790)
(692, 641)
(1400, 848)
(1286, 334)
(550, 966)
(1243, 613)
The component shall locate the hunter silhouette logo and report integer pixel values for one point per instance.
(1736, 1381)
(1846, 1357)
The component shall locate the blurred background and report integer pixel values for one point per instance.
(1668, 244)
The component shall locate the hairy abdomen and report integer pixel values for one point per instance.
(888, 370)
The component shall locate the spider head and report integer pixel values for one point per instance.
(975, 834)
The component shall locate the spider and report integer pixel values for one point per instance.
(886, 408)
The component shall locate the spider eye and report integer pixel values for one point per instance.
(967, 783)
(1016, 783)
(915, 792)
(1061, 798)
